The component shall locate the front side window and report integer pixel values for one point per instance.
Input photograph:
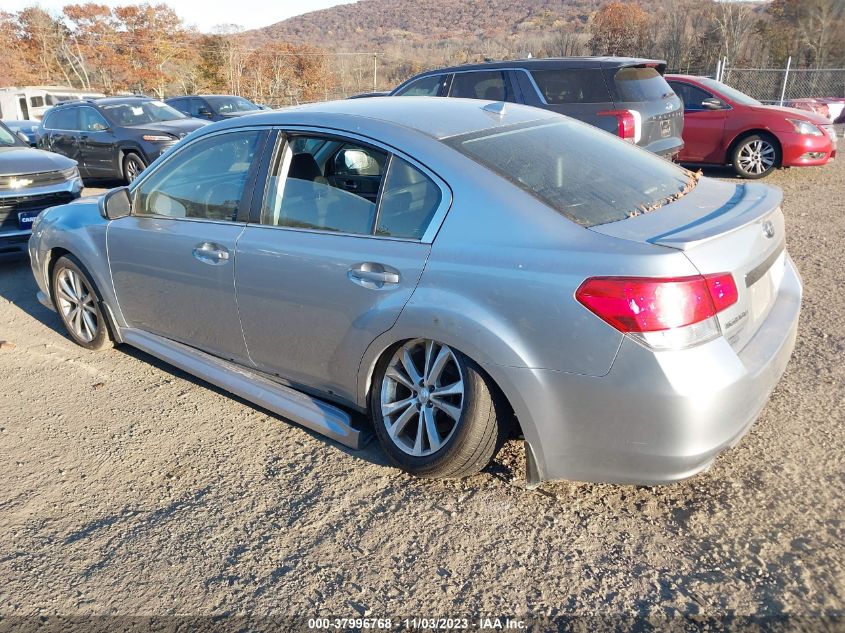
(690, 95)
(487, 85)
(422, 87)
(91, 121)
(231, 104)
(571, 86)
(583, 173)
(204, 180)
(329, 184)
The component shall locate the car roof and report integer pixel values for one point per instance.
(433, 116)
(549, 63)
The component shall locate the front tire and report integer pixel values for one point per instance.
(78, 304)
(132, 167)
(435, 413)
(756, 156)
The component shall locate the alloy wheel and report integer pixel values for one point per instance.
(422, 397)
(77, 304)
(756, 157)
(133, 170)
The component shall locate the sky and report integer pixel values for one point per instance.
(203, 14)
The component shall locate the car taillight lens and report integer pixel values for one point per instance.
(661, 312)
(627, 124)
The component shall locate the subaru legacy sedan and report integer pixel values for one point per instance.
(454, 269)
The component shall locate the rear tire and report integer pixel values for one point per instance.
(78, 303)
(132, 167)
(756, 156)
(436, 414)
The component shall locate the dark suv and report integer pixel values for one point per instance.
(213, 107)
(114, 137)
(626, 96)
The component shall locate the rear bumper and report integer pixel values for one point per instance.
(656, 417)
(666, 148)
(801, 150)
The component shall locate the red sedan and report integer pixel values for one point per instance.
(723, 126)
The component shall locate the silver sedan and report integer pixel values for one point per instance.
(460, 271)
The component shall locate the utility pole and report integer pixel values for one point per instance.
(375, 71)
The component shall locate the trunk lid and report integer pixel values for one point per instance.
(722, 227)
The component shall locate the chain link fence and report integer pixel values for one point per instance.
(773, 85)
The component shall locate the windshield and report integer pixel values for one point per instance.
(140, 112)
(8, 138)
(226, 105)
(586, 174)
(731, 93)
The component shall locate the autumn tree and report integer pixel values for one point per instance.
(619, 28)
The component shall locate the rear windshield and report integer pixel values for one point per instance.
(586, 174)
(583, 85)
(640, 84)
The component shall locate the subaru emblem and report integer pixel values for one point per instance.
(768, 229)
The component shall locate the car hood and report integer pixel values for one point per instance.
(794, 113)
(26, 160)
(177, 127)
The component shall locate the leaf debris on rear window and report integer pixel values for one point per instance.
(692, 181)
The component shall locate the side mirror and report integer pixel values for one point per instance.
(712, 104)
(206, 113)
(23, 137)
(116, 204)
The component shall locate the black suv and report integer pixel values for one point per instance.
(114, 137)
(213, 107)
(626, 96)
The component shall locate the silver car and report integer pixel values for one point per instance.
(457, 270)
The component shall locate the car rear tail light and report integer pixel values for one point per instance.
(628, 124)
(661, 312)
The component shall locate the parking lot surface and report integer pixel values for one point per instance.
(128, 487)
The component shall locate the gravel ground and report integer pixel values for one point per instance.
(128, 487)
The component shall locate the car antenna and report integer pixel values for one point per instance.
(497, 107)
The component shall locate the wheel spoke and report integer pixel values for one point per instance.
(455, 389)
(429, 349)
(418, 441)
(64, 286)
(434, 439)
(389, 408)
(401, 422)
(410, 368)
(90, 323)
(396, 374)
(439, 364)
(450, 410)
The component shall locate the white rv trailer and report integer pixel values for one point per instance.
(31, 102)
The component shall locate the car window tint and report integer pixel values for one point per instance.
(408, 201)
(587, 175)
(690, 95)
(635, 85)
(324, 184)
(63, 119)
(422, 87)
(571, 86)
(199, 107)
(91, 121)
(204, 180)
(490, 86)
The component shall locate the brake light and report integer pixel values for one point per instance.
(628, 124)
(661, 312)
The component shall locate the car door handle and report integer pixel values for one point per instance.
(371, 275)
(350, 184)
(211, 253)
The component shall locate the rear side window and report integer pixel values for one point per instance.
(64, 119)
(408, 201)
(488, 85)
(422, 87)
(571, 86)
(36, 102)
(635, 85)
(583, 173)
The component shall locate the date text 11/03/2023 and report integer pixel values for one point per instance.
(445, 624)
